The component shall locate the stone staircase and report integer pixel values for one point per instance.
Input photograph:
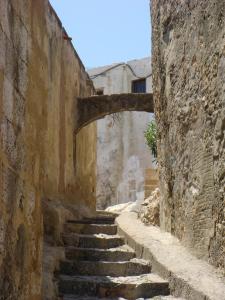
(98, 264)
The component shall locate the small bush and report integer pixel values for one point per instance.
(151, 137)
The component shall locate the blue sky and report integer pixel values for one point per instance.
(106, 31)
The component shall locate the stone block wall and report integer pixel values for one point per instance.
(40, 77)
(189, 87)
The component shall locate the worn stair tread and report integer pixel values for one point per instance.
(134, 280)
(131, 287)
(100, 213)
(108, 229)
(95, 236)
(122, 248)
(102, 241)
(74, 297)
(164, 298)
(97, 220)
(121, 253)
(133, 260)
(94, 225)
(134, 266)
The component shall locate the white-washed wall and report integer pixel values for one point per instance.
(122, 154)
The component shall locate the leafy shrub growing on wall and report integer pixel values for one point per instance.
(151, 137)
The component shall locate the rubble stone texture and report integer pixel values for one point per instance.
(189, 86)
(149, 210)
(40, 77)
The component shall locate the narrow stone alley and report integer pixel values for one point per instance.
(162, 234)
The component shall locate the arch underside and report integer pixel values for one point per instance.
(97, 107)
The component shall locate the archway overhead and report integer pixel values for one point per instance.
(97, 107)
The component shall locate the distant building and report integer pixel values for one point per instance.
(122, 153)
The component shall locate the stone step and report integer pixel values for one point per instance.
(164, 298)
(131, 287)
(109, 229)
(96, 220)
(100, 241)
(123, 253)
(75, 297)
(102, 268)
(103, 213)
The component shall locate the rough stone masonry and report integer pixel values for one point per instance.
(40, 77)
(189, 92)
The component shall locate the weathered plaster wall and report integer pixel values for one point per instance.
(86, 167)
(40, 77)
(189, 87)
(122, 153)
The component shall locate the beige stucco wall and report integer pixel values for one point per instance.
(86, 167)
(122, 153)
(40, 77)
(188, 86)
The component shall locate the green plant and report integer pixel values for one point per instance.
(151, 137)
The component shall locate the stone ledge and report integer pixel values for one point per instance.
(188, 277)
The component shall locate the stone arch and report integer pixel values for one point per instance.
(92, 108)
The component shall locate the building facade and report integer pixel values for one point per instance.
(122, 153)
